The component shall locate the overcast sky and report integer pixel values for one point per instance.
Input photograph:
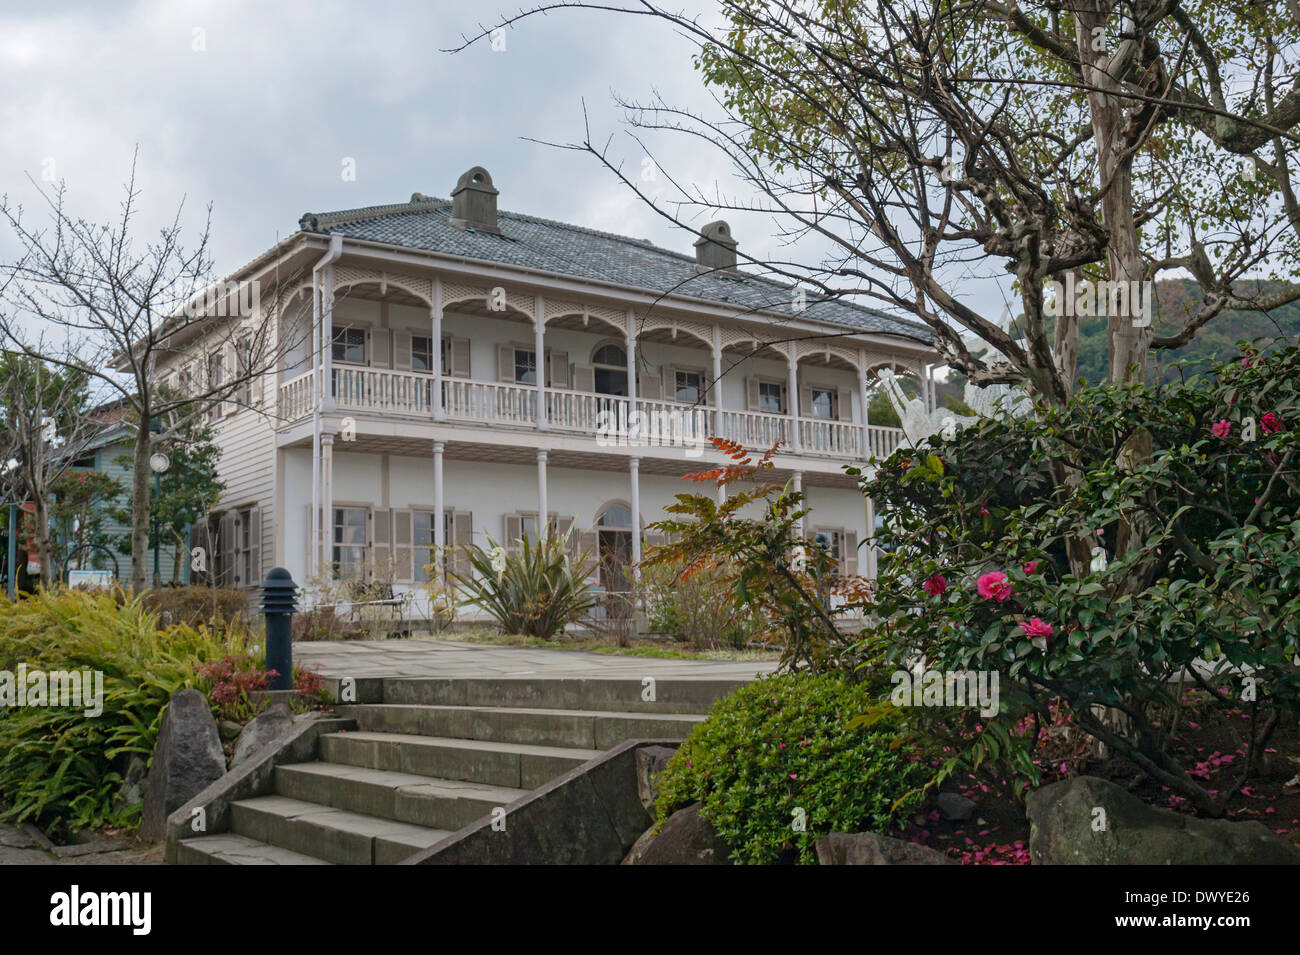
(256, 107)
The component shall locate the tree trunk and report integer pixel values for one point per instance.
(140, 504)
(43, 549)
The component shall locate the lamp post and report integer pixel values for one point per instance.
(158, 463)
(278, 606)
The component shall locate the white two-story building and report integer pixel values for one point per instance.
(451, 373)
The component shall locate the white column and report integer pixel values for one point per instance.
(631, 359)
(864, 399)
(438, 371)
(792, 389)
(634, 467)
(439, 533)
(717, 381)
(871, 540)
(327, 504)
(327, 339)
(539, 350)
(313, 520)
(797, 481)
(542, 509)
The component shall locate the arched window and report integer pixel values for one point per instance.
(610, 371)
(615, 516)
(611, 355)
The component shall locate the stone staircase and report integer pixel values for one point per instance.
(434, 756)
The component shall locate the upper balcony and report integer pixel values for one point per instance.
(605, 418)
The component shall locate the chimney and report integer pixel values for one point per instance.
(474, 201)
(716, 249)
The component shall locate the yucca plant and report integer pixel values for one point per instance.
(536, 591)
(59, 766)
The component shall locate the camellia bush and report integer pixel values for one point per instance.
(1096, 555)
(777, 765)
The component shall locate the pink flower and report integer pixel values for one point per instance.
(1270, 423)
(1037, 627)
(936, 585)
(1220, 428)
(984, 510)
(993, 586)
(1248, 360)
(1030, 567)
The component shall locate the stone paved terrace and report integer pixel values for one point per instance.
(361, 659)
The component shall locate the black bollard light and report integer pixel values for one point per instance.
(278, 606)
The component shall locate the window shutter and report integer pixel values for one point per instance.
(849, 563)
(229, 375)
(649, 387)
(589, 547)
(584, 378)
(254, 547)
(751, 394)
(669, 373)
(514, 529)
(380, 543)
(506, 363)
(377, 347)
(558, 365)
(402, 351)
(844, 404)
(459, 358)
(226, 547)
(462, 532)
(403, 562)
(805, 402)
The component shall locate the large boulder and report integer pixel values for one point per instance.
(650, 762)
(266, 727)
(687, 838)
(1090, 821)
(870, 848)
(187, 759)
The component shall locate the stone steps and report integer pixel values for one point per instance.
(435, 756)
(587, 729)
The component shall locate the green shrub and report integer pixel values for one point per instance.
(196, 606)
(535, 591)
(699, 607)
(57, 765)
(781, 745)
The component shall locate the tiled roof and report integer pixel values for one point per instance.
(543, 245)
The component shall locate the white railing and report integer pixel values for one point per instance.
(489, 402)
(296, 398)
(841, 439)
(666, 423)
(882, 442)
(586, 412)
(375, 389)
(674, 423)
(755, 429)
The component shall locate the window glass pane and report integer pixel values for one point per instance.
(421, 353)
(616, 515)
(525, 367)
(769, 397)
(689, 386)
(609, 355)
(350, 345)
(823, 404)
